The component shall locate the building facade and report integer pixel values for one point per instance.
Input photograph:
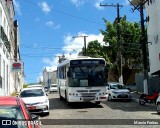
(153, 32)
(9, 49)
(47, 77)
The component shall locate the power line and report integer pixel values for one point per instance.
(67, 14)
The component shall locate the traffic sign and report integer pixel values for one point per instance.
(17, 66)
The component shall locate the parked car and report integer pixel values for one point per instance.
(131, 87)
(116, 90)
(13, 109)
(53, 88)
(46, 88)
(158, 104)
(35, 99)
(36, 85)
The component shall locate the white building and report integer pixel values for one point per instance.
(153, 31)
(9, 49)
(54, 78)
(47, 76)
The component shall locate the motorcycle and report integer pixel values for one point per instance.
(148, 98)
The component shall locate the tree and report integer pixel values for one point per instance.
(130, 46)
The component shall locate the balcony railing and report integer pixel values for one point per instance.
(4, 38)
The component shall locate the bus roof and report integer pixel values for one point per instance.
(78, 58)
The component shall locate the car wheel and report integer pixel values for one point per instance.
(97, 102)
(130, 100)
(142, 100)
(109, 97)
(158, 108)
(47, 113)
(129, 89)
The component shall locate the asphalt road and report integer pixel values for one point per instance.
(114, 114)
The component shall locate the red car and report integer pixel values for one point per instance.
(14, 114)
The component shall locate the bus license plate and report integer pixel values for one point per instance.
(88, 98)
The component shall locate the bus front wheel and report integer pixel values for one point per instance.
(60, 95)
(66, 98)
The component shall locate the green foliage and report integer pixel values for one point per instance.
(25, 85)
(129, 44)
(129, 40)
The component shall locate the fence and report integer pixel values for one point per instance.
(153, 83)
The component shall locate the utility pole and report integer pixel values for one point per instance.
(118, 7)
(85, 51)
(144, 50)
(143, 41)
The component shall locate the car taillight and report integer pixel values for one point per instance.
(102, 97)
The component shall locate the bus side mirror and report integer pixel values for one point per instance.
(68, 74)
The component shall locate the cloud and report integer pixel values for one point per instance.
(17, 7)
(52, 63)
(97, 4)
(49, 23)
(72, 46)
(77, 2)
(45, 7)
(52, 25)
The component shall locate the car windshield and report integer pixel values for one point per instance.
(117, 86)
(53, 85)
(12, 113)
(32, 93)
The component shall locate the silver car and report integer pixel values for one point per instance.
(116, 90)
(53, 88)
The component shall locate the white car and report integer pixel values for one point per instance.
(131, 87)
(158, 104)
(53, 88)
(2, 93)
(116, 90)
(36, 85)
(35, 99)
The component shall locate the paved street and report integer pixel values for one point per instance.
(115, 110)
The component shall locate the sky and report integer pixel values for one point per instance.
(47, 28)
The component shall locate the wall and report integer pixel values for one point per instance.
(153, 31)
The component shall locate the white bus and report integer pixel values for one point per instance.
(82, 80)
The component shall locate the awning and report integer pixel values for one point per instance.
(156, 73)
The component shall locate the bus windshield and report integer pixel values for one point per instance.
(87, 75)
